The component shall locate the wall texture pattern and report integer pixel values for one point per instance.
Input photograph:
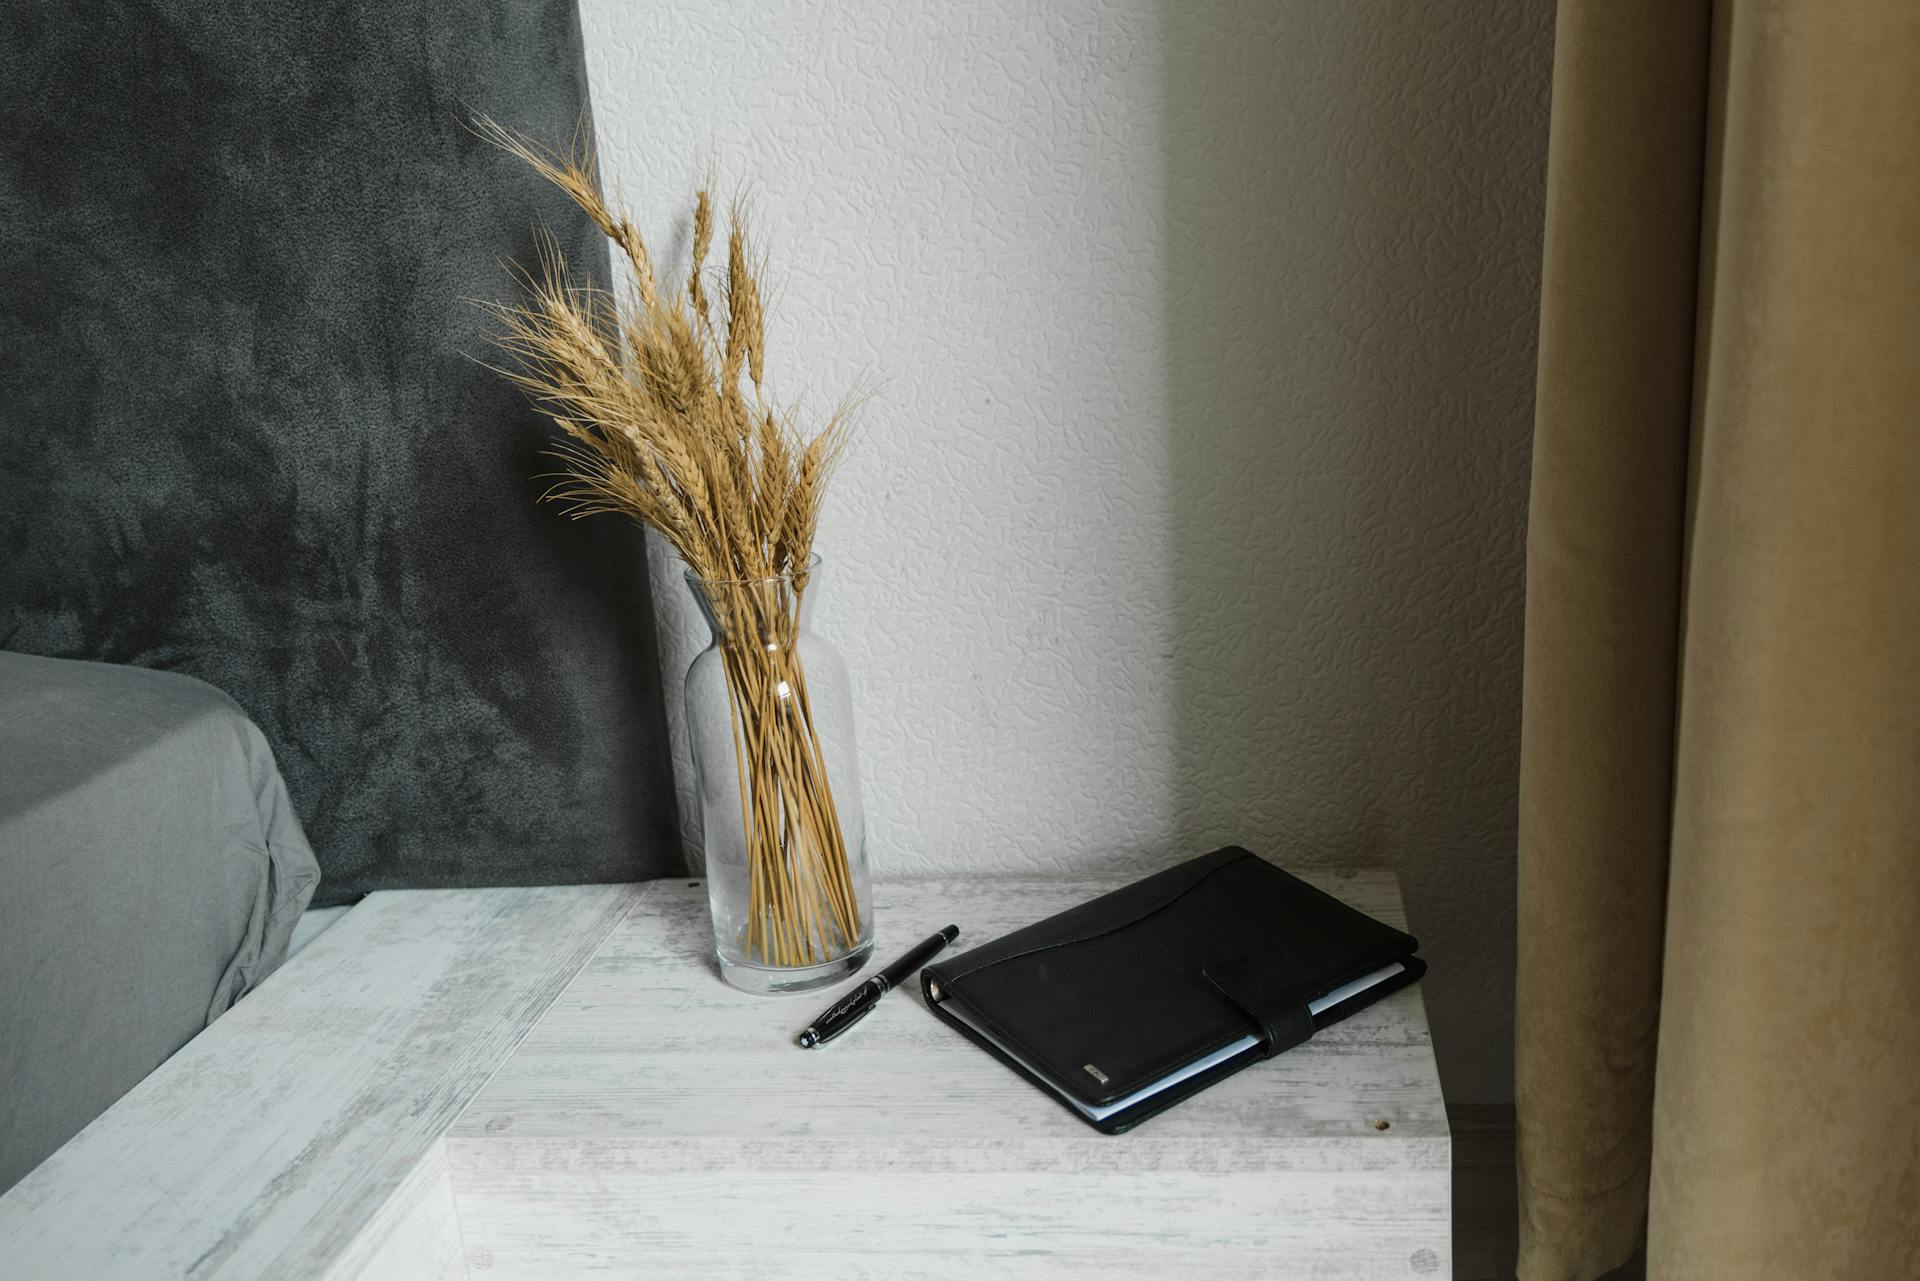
(1190, 506)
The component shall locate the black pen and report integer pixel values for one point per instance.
(853, 1007)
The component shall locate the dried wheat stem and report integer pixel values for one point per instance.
(661, 399)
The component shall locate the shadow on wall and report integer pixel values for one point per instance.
(1352, 226)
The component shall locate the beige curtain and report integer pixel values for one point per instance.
(1719, 997)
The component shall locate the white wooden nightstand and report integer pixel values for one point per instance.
(653, 1122)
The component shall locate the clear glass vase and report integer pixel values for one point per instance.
(770, 719)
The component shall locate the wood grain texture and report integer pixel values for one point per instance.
(656, 1121)
(413, 1236)
(270, 1144)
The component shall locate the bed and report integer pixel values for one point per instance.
(151, 873)
(247, 438)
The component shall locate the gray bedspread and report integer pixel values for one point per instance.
(151, 872)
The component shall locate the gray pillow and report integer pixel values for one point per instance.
(151, 872)
(243, 435)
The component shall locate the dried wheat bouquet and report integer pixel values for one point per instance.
(661, 403)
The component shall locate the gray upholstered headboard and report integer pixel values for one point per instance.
(242, 435)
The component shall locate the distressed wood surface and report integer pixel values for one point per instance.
(302, 1126)
(656, 1122)
(413, 1236)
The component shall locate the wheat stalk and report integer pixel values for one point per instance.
(661, 402)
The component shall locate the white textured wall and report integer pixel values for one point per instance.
(1191, 507)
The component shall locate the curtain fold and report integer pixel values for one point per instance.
(1718, 1030)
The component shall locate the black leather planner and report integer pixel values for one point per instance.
(1123, 1006)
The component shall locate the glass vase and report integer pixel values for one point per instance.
(770, 719)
